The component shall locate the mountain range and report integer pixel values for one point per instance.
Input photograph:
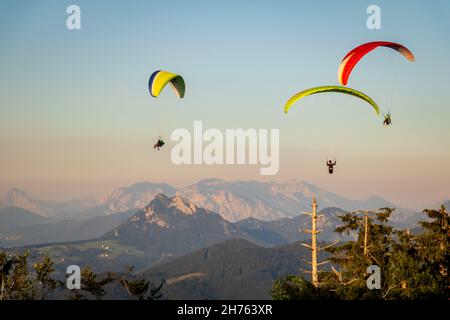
(167, 228)
(20, 227)
(248, 205)
(20, 199)
(170, 226)
(159, 228)
(267, 201)
(233, 200)
(198, 253)
(239, 200)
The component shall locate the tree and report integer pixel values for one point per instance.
(139, 288)
(413, 266)
(18, 282)
(92, 285)
(374, 239)
(434, 248)
(44, 270)
(15, 282)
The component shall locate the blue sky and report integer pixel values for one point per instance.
(76, 117)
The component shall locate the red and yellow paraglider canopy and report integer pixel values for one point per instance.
(354, 56)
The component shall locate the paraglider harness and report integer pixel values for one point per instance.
(158, 145)
(387, 119)
(330, 165)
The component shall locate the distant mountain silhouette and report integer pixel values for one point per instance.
(20, 199)
(233, 200)
(19, 227)
(168, 227)
(288, 230)
(14, 217)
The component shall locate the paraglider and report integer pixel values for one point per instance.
(346, 67)
(159, 144)
(354, 56)
(387, 119)
(330, 164)
(158, 80)
(336, 89)
(324, 89)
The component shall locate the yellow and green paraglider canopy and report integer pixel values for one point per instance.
(159, 79)
(337, 89)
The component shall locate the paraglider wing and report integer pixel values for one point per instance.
(354, 56)
(337, 89)
(159, 79)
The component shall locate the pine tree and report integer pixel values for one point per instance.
(139, 289)
(15, 282)
(413, 266)
(19, 282)
(44, 270)
(434, 248)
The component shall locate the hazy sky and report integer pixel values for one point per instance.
(76, 118)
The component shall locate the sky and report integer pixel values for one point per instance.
(77, 120)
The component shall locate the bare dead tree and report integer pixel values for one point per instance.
(314, 247)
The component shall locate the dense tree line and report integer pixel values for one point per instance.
(413, 265)
(19, 281)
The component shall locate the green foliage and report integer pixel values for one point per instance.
(139, 288)
(44, 270)
(297, 288)
(15, 282)
(92, 285)
(18, 282)
(413, 266)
